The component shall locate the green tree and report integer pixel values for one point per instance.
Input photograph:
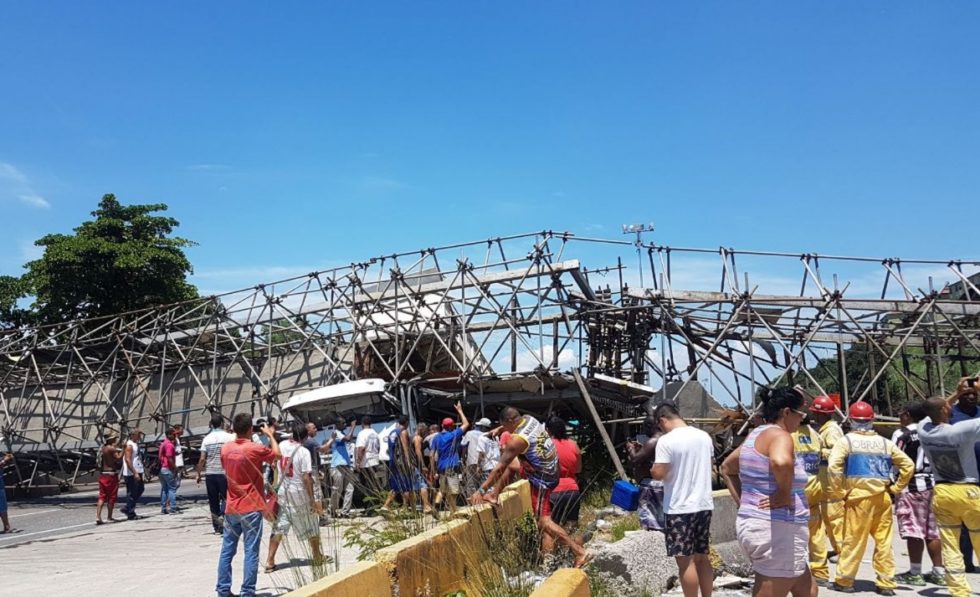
(124, 259)
(922, 368)
(12, 289)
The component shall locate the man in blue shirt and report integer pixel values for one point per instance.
(341, 474)
(964, 410)
(444, 457)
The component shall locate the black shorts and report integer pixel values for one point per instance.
(564, 506)
(688, 534)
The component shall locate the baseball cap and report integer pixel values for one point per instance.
(448, 423)
(484, 422)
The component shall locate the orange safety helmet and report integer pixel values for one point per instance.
(822, 404)
(861, 411)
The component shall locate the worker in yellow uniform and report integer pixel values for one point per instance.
(831, 511)
(956, 497)
(859, 471)
(807, 445)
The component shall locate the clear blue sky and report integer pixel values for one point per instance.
(297, 136)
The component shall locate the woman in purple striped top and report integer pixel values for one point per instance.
(767, 480)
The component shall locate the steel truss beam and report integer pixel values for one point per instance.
(470, 313)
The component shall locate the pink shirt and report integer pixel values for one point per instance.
(569, 462)
(242, 460)
(167, 454)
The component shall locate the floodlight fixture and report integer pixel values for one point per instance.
(638, 230)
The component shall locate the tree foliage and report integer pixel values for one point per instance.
(126, 258)
(922, 369)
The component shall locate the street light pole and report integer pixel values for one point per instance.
(638, 230)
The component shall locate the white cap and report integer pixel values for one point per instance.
(484, 422)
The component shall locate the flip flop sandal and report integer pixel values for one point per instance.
(271, 569)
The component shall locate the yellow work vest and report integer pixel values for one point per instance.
(808, 447)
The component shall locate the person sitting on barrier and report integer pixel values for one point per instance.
(768, 481)
(859, 470)
(530, 443)
(955, 497)
(641, 457)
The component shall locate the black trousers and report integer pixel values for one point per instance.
(134, 490)
(217, 492)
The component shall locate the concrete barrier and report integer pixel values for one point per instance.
(364, 579)
(723, 517)
(567, 582)
(442, 559)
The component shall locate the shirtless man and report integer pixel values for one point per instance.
(109, 478)
(529, 442)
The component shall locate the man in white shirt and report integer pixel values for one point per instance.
(683, 462)
(368, 459)
(471, 468)
(133, 473)
(298, 507)
(210, 464)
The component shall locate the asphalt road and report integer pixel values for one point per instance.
(49, 517)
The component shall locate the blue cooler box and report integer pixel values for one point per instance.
(625, 495)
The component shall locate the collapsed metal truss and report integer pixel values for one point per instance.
(474, 319)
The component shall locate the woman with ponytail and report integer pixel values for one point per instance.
(767, 481)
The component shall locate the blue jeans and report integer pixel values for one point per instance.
(168, 489)
(235, 526)
(134, 490)
(217, 491)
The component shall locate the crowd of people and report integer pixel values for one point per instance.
(300, 479)
(809, 494)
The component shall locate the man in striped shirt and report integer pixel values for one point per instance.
(210, 464)
(913, 507)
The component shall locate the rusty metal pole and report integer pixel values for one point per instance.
(598, 422)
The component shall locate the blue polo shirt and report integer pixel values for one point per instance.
(446, 445)
(339, 456)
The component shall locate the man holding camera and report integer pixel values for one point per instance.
(955, 497)
(242, 461)
(965, 409)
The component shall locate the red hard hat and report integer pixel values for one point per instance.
(861, 411)
(448, 423)
(822, 404)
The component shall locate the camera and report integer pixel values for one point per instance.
(258, 425)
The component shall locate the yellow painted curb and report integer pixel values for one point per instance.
(364, 579)
(567, 582)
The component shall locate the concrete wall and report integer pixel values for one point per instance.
(444, 559)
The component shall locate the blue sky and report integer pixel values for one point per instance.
(300, 136)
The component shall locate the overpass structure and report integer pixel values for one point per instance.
(555, 322)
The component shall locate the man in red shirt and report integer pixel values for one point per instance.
(168, 471)
(242, 460)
